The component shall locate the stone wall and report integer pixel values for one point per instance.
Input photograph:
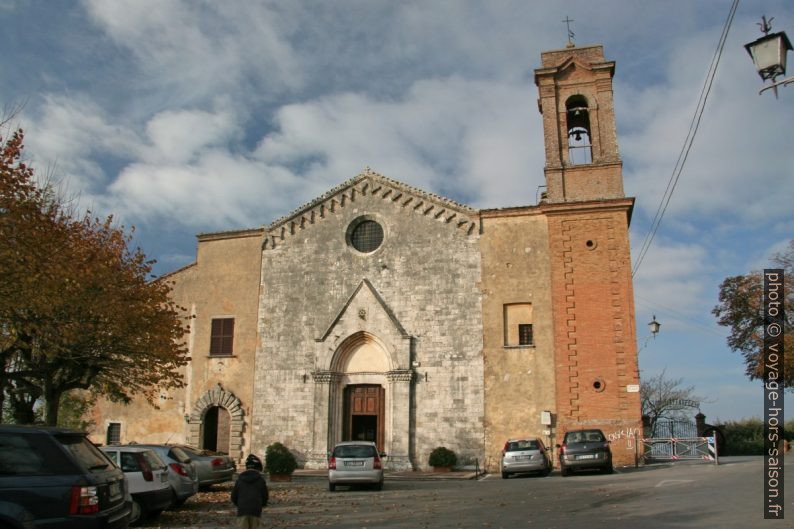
(422, 305)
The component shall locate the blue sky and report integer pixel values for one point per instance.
(184, 117)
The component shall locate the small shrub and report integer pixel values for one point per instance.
(442, 457)
(279, 460)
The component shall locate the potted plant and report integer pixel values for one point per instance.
(280, 463)
(442, 459)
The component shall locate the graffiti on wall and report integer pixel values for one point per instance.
(628, 434)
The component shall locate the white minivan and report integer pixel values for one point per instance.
(147, 479)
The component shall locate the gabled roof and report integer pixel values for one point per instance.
(368, 182)
(364, 283)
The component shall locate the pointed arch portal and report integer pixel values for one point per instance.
(362, 396)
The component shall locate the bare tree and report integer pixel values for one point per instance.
(665, 398)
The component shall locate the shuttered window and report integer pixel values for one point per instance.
(222, 338)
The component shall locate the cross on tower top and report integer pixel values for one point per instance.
(570, 33)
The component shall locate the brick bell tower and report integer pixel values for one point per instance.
(597, 378)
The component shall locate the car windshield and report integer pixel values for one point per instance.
(84, 451)
(354, 451)
(593, 436)
(514, 446)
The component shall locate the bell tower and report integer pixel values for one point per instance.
(575, 98)
(588, 215)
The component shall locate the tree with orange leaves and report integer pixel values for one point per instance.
(77, 307)
(741, 309)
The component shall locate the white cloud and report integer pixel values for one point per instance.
(179, 136)
(198, 50)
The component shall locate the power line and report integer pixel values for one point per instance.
(690, 137)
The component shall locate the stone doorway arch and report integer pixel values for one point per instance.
(213, 399)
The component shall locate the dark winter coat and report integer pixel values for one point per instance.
(250, 493)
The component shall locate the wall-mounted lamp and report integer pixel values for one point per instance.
(769, 55)
(654, 326)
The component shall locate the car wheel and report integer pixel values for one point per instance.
(155, 513)
(546, 472)
(505, 475)
(136, 513)
(332, 487)
(565, 471)
(609, 469)
(379, 485)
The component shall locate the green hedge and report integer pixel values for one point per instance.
(746, 437)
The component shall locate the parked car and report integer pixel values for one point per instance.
(212, 467)
(147, 479)
(182, 475)
(55, 477)
(355, 462)
(585, 449)
(525, 455)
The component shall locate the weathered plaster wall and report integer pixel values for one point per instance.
(224, 282)
(519, 380)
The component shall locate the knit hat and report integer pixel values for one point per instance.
(253, 462)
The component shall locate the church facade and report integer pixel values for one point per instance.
(380, 311)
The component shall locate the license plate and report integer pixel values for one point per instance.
(354, 463)
(522, 458)
(163, 477)
(586, 456)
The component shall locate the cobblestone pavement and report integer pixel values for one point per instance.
(296, 504)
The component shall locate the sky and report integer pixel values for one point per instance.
(184, 117)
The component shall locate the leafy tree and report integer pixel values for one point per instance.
(741, 309)
(77, 310)
(664, 398)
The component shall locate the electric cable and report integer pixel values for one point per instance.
(688, 141)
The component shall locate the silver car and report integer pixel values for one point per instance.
(525, 455)
(182, 474)
(212, 467)
(355, 462)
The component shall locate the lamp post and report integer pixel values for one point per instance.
(769, 55)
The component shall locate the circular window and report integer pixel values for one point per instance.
(366, 235)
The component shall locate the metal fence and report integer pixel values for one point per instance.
(676, 440)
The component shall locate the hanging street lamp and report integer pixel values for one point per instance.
(769, 55)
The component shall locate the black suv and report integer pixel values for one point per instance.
(56, 478)
(585, 449)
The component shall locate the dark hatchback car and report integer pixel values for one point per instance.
(585, 449)
(56, 478)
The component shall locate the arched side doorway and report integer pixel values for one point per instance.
(215, 429)
(217, 418)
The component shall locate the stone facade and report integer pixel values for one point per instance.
(452, 326)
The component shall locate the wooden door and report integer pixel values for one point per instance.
(364, 413)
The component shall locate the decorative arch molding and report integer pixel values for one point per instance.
(352, 343)
(217, 396)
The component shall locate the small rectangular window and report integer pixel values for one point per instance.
(113, 434)
(222, 337)
(525, 334)
(518, 329)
